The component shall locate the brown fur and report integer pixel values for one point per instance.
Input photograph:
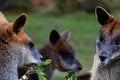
(106, 65)
(107, 48)
(61, 53)
(56, 51)
(14, 47)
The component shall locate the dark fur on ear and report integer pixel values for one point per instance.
(85, 76)
(102, 15)
(19, 23)
(54, 37)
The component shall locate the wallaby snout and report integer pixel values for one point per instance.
(102, 58)
(36, 54)
(103, 55)
(78, 67)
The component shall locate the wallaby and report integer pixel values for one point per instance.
(106, 64)
(16, 48)
(61, 53)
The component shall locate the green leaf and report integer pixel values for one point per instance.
(39, 70)
(42, 78)
(48, 61)
(71, 75)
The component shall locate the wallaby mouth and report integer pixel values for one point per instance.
(104, 56)
(104, 59)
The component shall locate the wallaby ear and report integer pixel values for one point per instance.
(2, 18)
(102, 15)
(66, 34)
(54, 37)
(19, 23)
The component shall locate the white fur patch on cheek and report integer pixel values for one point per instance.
(73, 66)
(30, 59)
(115, 55)
(26, 57)
(106, 61)
(65, 64)
(69, 66)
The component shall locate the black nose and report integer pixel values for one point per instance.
(102, 58)
(79, 68)
(41, 58)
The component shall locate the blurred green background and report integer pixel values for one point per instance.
(76, 15)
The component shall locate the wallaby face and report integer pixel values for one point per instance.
(16, 48)
(108, 41)
(63, 53)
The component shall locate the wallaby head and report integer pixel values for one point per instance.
(108, 41)
(63, 54)
(16, 48)
(60, 52)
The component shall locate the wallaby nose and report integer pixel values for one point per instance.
(41, 58)
(102, 58)
(79, 68)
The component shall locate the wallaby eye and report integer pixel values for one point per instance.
(117, 43)
(98, 42)
(31, 45)
(65, 54)
(100, 39)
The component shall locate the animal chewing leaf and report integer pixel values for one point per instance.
(39, 70)
(71, 75)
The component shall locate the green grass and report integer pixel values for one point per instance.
(84, 29)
